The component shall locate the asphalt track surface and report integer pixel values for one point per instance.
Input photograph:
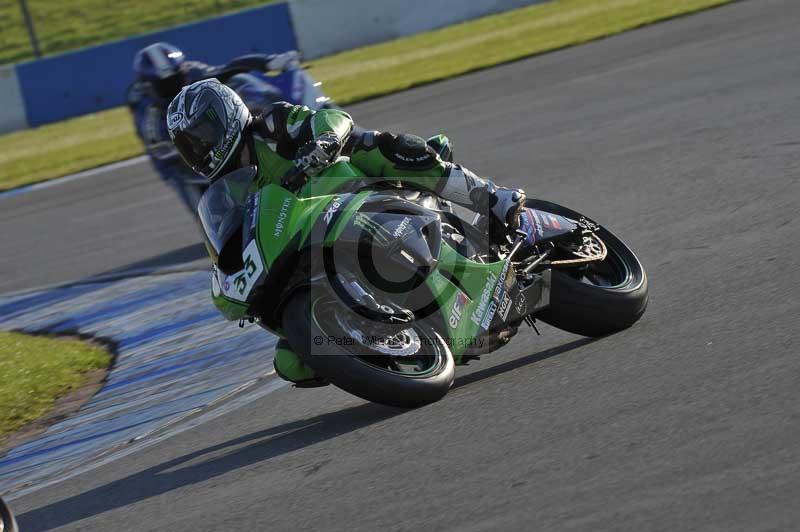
(683, 138)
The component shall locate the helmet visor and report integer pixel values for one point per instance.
(198, 141)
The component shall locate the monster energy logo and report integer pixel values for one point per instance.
(371, 227)
(402, 227)
(280, 225)
(220, 153)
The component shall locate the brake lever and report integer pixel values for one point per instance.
(294, 179)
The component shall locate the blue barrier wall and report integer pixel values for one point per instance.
(96, 78)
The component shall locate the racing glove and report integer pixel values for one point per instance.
(315, 156)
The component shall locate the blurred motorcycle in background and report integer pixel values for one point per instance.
(257, 89)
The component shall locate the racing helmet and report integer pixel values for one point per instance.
(206, 121)
(160, 65)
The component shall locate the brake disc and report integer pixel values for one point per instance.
(593, 249)
(404, 343)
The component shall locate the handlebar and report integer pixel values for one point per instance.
(294, 179)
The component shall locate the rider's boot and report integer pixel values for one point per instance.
(290, 368)
(503, 205)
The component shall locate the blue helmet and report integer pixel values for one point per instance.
(160, 64)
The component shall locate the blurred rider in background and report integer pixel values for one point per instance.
(161, 71)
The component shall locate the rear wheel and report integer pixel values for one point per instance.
(406, 366)
(599, 298)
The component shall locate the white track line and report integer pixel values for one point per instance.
(240, 397)
(74, 177)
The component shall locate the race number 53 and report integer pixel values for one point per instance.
(245, 280)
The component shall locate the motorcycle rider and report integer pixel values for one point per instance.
(161, 71)
(215, 133)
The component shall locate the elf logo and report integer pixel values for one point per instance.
(458, 310)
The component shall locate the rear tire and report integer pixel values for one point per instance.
(311, 319)
(582, 307)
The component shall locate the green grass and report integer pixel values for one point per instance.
(63, 25)
(59, 149)
(35, 371)
(65, 147)
(469, 46)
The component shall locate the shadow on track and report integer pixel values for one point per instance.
(191, 468)
(511, 365)
(177, 258)
(246, 450)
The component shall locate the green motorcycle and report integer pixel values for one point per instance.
(384, 290)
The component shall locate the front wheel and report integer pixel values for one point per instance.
(7, 521)
(599, 298)
(408, 366)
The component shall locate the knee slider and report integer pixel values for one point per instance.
(407, 151)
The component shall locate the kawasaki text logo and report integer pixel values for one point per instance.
(486, 296)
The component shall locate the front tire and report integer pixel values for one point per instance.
(7, 521)
(320, 328)
(602, 298)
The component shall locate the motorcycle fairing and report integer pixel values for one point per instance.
(473, 297)
(222, 210)
(476, 297)
(239, 286)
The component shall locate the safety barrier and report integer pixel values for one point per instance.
(362, 22)
(92, 79)
(12, 105)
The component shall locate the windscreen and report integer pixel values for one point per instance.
(222, 208)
